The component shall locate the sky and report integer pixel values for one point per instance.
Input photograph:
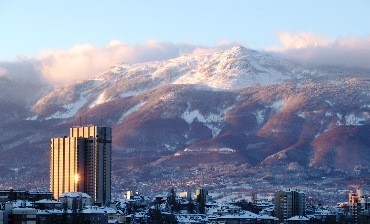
(65, 40)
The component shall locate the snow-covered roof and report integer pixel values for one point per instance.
(186, 220)
(87, 209)
(247, 215)
(96, 209)
(23, 209)
(293, 190)
(298, 218)
(75, 194)
(52, 211)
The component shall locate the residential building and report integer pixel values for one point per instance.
(289, 203)
(13, 195)
(299, 220)
(201, 196)
(24, 216)
(82, 163)
(359, 206)
(75, 200)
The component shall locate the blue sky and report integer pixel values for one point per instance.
(63, 41)
(30, 26)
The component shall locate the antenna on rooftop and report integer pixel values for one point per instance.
(80, 121)
(86, 120)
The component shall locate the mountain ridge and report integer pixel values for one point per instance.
(231, 69)
(235, 108)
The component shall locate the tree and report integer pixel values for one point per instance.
(169, 219)
(171, 200)
(191, 205)
(155, 216)
(254, 197)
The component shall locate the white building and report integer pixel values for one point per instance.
(72, 199)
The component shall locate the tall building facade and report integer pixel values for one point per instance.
(359, 206)
(289, 203)
(82, 162)
(201, 196)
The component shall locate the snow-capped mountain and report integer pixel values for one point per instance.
(241, 109)
(227, 70)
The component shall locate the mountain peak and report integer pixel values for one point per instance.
(238, 48)
(240, 52)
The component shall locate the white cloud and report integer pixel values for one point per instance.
(21, 82)
(301, 40)
(22, 69)
(84, 61)
(311, 48)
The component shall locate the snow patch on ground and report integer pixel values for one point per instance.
(278, 105)
(70, 109)
(129, 93)
(190, 116)
(101, 99)
(278, 155)
(339, 119)
(225, 150)
(32, 118)
(302, 115)
(170, 148)
(353, 120)
(365, 106)
(350, 119)
(281, 155)
(260, 116)
(97, 79)
(266, 76)
(220, 150)
(327, 129)
(215, 130)
(328, 102)
(167, 97)
(212, 121)
(130, 111)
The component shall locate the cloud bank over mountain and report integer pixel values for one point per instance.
(314, 49)
(85, 60)
(23, 69)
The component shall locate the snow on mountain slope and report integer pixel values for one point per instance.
(235, 68)
(212, 121)
(240, 67)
